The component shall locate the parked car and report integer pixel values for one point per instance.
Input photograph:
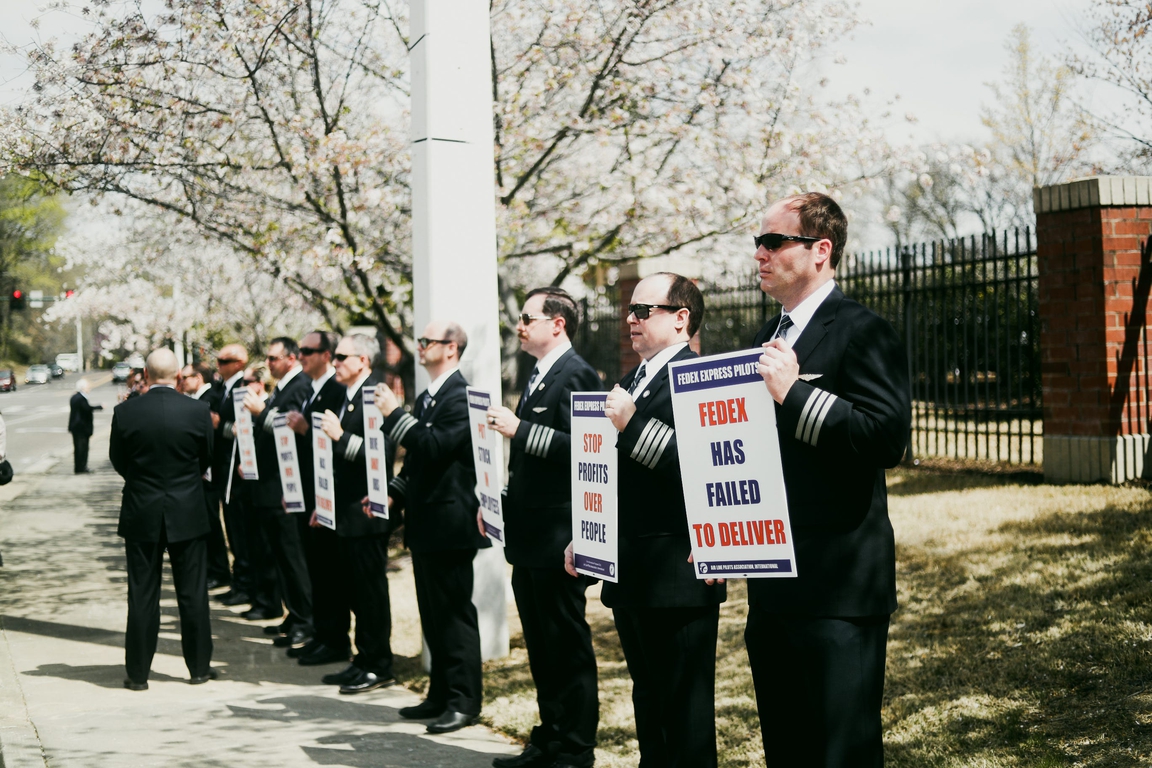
(38, 374)
(7, 381)
(120, 372)
(56, 370)
(69, 361)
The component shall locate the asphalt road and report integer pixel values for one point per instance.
(36, 418)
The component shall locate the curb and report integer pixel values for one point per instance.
(20, 745)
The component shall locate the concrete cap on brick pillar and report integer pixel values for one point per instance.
(1093, 192)
(673, 262)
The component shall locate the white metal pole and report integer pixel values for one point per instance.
(80, 343)
(453, 192)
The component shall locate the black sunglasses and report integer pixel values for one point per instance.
(305, 351)
(526, 319)
(340, 357)
(226, 361)
(429, 342)
(770, 241)
(251, 381)
(642, 311)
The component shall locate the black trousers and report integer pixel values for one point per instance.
(80, 451)
(218, 567)
(671, 656)
(451, 627)
(551, 605)
(364, 566)
(236, 525)
(331, 605)
(289, 569)
(189, 574)
(820, 709)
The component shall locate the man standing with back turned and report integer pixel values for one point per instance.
(161, 445)
(538, 524)
(839, 376)
(80, 425)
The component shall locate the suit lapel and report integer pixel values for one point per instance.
(549, 378)
(660, 380)
(817, 327)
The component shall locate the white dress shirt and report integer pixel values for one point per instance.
(802, 313)
(544, 364)
(653, 367)
(434, 387)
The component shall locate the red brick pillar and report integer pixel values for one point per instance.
(1094, 285)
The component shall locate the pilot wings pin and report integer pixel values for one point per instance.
(810, 376)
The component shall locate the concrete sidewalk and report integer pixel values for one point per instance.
(62, 616)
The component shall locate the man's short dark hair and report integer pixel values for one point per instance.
(328, 341)
(453, 332)
(557, 303)
(290, 345)
(203, 371)
(821, 216)
(684, 293)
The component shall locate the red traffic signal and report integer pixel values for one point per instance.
(17, 294)
(17, 300)
(68, 293)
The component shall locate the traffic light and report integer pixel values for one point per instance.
(17, 300)
(68, 293)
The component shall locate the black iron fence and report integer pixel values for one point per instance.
(967, 310)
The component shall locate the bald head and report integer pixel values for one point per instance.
(162, 367)
(231, 360)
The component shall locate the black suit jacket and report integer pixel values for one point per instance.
(839, 430)
(223, 463)
(437, 484)
(350, 472)
(329, 398)
(654, 545)
(538, 503)
(161, 445)
(80, 415)
(266, 491)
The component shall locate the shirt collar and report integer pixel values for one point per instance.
(434, 387)
(802, 313)
(318, 384)
(544, 364)
(352, 390)
(200, 392)
(653, 366)
(235, 378)
(289, 376)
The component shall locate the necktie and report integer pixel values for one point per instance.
(424, 401)
(785, 324)
(636, 381)
(531, 383)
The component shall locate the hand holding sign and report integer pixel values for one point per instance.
(386, 401)
(330, 423)
(503, 420)
(779, 368)
(253, 403)
(619, 407)
(296, 422)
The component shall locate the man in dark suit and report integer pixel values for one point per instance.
(80, 425)
(161, 445)
(667, 620)
(362, 538)
(839, 376)
(197, 382)
(230, 364)
(437, 486)
(331, 612)
(538, 526)
(281, 530)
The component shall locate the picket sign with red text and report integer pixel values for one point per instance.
(488, 458)
(289, 465)
(730, 464)
(375, 454)
(322, 471)
(595, 535)
(245, 441)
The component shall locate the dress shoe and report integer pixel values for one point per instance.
(277, 629)
(201, 679)
(262, 614)
(304, 650)
(531, 757)
(422, 711)
(324, 654)
(449, 721)
(214, 583)
(133, 686)
(367, 681)
(347, 675)
(295, 637)
(233, 597)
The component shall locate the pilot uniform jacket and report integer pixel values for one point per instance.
(266, 491)
(437, 484)
(654, 571)
(350, 471)
(223, 463)
(161, 444)
(329, 398)
(538, 505)
(840, 426)
(80, 415)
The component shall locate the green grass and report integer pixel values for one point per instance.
(1024, 636)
